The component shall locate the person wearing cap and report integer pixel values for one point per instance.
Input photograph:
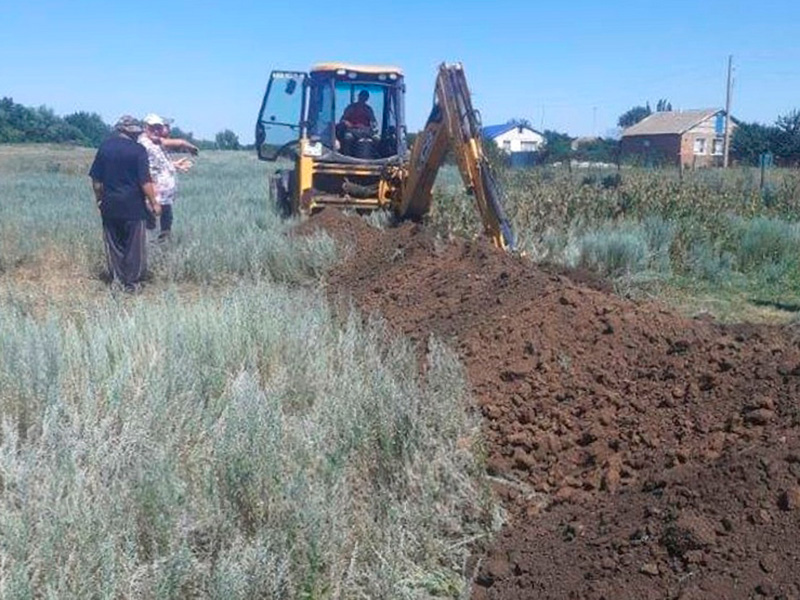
(125, 196)
(162, 168)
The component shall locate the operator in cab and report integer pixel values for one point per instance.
(359, 113)
(357, 128)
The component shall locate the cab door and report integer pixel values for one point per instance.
(280, 120)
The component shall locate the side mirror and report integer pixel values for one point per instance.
(291, 86)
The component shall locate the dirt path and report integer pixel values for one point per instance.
(640, 454)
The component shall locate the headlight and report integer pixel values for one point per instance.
(312, 149)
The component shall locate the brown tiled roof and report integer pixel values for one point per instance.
(674, 121)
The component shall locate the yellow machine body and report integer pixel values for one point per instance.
(304, 117)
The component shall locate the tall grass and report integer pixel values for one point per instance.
(221, 435)
(253, 445)
(224, 227)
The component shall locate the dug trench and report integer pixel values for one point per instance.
(639, 453)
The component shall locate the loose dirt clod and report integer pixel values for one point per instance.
(667, 445)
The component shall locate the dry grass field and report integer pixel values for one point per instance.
(227, 433)
(224, 433)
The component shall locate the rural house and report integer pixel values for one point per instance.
(691, 138)
(519, 141)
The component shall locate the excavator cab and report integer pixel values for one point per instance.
(357, 112)
(316, 106)
(341, 125)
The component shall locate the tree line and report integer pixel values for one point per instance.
(782, 140)
(23, 124)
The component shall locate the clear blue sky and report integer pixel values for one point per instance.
(571, 66)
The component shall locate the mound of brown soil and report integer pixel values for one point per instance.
(640, 454)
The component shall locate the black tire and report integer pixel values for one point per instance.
(281, 192)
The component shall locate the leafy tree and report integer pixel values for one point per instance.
(789, 123)
(517, 122)
(598, 150)
(663, 105)
(10, 129)
(227, 140)
(787, 138)
(750, 140)
(498, 159)
(91, 125)
(177, 132)
(23, 124)
(782, 139)
(632, 116)
(558, 146)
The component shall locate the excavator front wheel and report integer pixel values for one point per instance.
(281, 192)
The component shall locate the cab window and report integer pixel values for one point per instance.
(279, 120)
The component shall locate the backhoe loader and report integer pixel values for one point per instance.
(343, 126)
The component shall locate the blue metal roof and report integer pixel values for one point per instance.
(492, 131)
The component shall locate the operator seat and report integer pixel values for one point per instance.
(358, 142)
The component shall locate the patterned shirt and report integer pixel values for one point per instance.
(162, 171)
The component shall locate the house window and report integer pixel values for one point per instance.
(719, 125)
(716, 147)
(700, 145)
(507, 145)
(528, 146)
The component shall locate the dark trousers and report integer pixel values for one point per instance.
(126, 250)
(166, 218)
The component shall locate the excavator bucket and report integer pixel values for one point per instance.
(466, 140)
(454, 123)
(494, 202)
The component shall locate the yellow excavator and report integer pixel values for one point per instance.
(344, 128)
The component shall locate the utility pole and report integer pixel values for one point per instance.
(727, 141)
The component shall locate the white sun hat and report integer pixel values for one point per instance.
(153, 119)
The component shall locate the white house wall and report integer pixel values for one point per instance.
(515, 137)
(707, 131)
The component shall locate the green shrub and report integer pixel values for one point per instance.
(766, 242)
(708, 263)
(613, 253)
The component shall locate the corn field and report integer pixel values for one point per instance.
(704, 228)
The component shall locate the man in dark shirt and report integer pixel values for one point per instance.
(357, 123)
(124, 193)
(359, 113)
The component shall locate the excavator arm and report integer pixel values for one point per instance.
(453, 123)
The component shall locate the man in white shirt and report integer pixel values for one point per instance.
(163, 168)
